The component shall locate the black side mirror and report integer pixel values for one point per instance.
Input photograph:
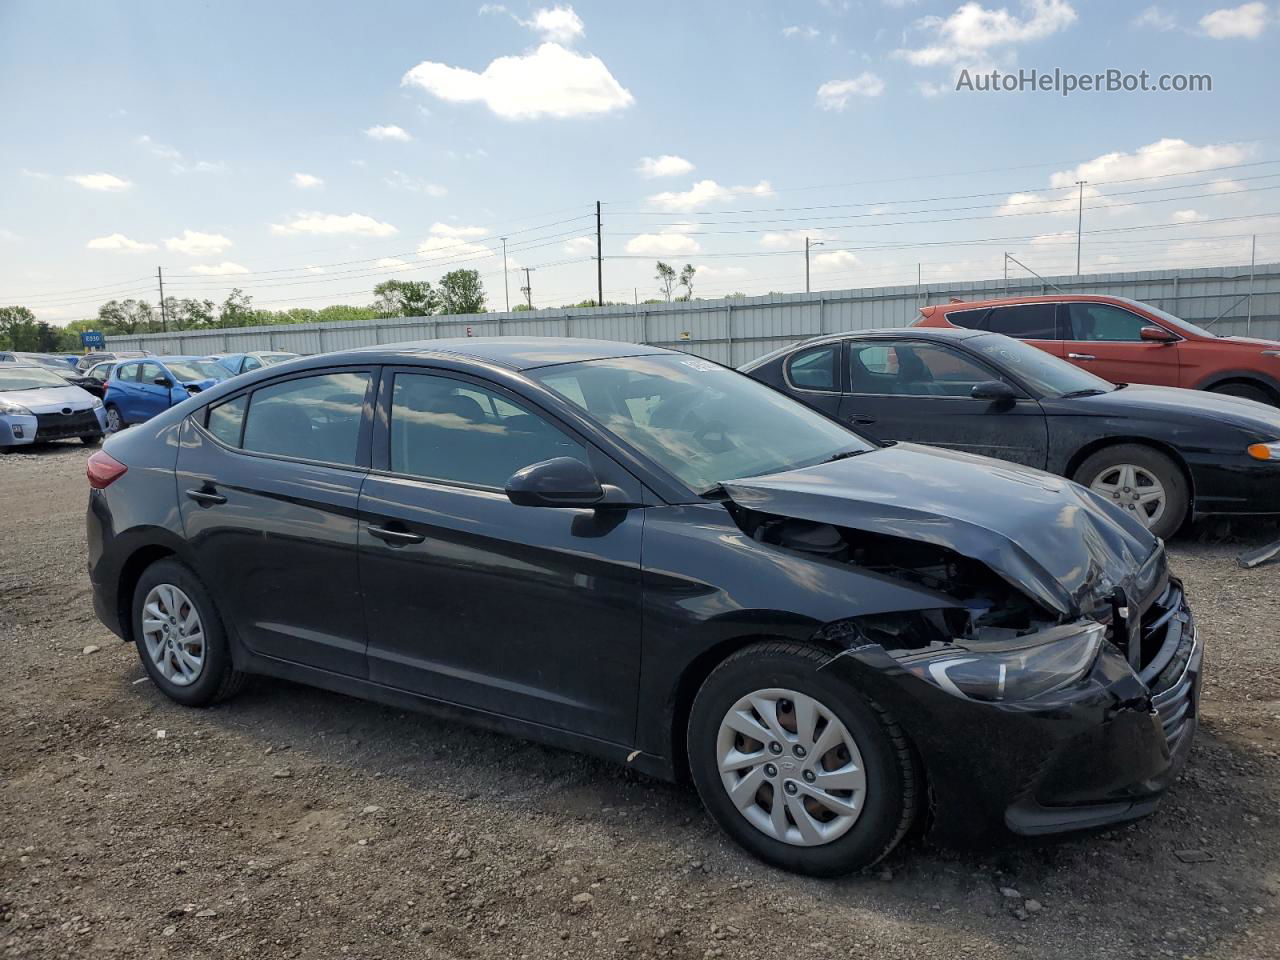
(561, 482)
(995, 390)
(162, 382)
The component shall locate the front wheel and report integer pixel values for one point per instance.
(92, 440)
(796, 766)
(180, 637)
(1142, 481)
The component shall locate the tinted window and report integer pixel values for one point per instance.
(972, 319)
(226, 419)
(250, 363)
(1105, 323)
(1026, 321)
(913, 369)
(311, 418)
(814, 369)
(451, 430)
(128, 371)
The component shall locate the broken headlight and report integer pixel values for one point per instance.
(1017, 670)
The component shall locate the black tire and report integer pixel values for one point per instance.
(1246, 390)
(893, 777)
(92, 440)
(218, 679)
(1159, 465)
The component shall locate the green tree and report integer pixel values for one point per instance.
(405, 298)
(461, 292)
(126, 316)
(190, 314)
(687, 273)
(344, 313)
(236, 310)
(17, 328)
(666, 277)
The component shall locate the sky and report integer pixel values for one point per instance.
(305, 151)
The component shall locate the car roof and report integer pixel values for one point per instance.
(518, 353)
(1043, 298)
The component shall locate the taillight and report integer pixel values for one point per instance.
(104, 470)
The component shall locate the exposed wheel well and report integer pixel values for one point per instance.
(1262, 385)
(1089, 449)
(130, 574)
(690, 682)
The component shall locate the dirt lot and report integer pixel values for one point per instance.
(295, 823)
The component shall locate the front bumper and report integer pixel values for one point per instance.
(39, 427)
(1100, 752)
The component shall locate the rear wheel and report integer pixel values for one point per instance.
(92, 440)
(1246, 390)
(1141, 481)
(115, 422)
(180, 637)
(796, 766)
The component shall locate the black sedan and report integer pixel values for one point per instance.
(647, 556)
(1166, 455)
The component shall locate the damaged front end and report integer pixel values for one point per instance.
(1080, 683)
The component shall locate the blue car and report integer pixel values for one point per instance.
(139, 389)
(239, 363)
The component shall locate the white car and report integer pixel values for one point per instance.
(38, 405)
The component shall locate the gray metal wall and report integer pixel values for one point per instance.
(736, 330)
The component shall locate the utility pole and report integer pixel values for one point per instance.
(527, 289)
(807, 245)
(1079, 222)
(164, 312)
(599, 261)
(1253, 260)
(506, 277)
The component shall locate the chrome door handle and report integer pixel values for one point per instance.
(396, 538)
(206, 498)
(1081, 356)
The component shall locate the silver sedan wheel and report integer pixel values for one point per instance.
(173, 634)
(791, 767)
(1132, 488)
(113, 420)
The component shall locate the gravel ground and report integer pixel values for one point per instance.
(291, 822)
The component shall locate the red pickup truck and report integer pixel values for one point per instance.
(1125, 341)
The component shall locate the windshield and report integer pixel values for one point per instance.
(270, 358)
(1170, 318)
(187, 370)
(51, 362)
(1042, 372)
(28, 378)
(702, 422)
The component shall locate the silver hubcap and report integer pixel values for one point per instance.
(113, 419)
(1132, 488)
(791, 767)
(173, 634)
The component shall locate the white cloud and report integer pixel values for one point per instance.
(306, 181)
(449, 230)
(1225, 185)
(439, 247)
(666, 165)
(550, 81)
(789, 239)
(333, 224)
(162, 150)
(200, 166)
(1247, 20)
(581, 246)
(833, 261)
(196, 244)
(1186, 216)
(668, 243)
(809, 33)
(403, 181)
(929, 89)
(392, 262)
(100, 181)
(34, 174)
(226, 268)
(388, 132)
(1156, 19)
(487, 8)
(835, 94)
(314, 269)
(706, 192)
(118, 241)
(721, 273)
(558, 24)
(973, 32)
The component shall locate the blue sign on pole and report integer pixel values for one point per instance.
(92, 338)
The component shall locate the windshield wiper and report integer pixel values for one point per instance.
(1088, 392)
(714, 492)
(843, 455)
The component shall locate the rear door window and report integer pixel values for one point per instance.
(1025, 321)
(814, 369)
(309, 418)
(226, 420)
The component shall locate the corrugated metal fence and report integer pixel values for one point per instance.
(737, 329)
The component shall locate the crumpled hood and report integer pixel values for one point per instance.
(1051, 538)
(50, 399)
